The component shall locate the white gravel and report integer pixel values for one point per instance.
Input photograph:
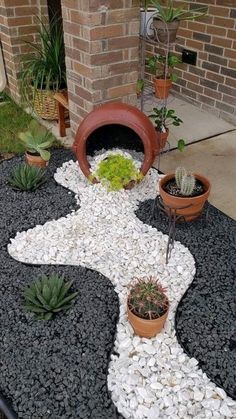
(151, 378)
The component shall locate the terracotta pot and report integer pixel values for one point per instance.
(121, 114)
(162, 138)
(165, 32)
(35, 160)
(146, 328)
(189, 207)
(162, 87)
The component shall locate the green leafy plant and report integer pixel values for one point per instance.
(147, 298)
(37, 139)
(44, 68)
(168, 13)
(184, 181)
(116, 171)
(139, 86)
(163, 118)
(26, 178)
(162, 66)
(47, 296)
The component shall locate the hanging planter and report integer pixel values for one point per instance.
(165, 32)
(146, 21)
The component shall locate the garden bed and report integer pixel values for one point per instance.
(146, 378)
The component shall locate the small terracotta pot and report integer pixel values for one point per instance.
(35, 160)
(146, 328)
(162, 87)
(162, 138)
(165, 32)
(189, 207)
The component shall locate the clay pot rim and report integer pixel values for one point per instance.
(149, 320)
(198, 176)
(34, 154)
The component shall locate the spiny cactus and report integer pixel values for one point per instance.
(180, 172)
(26, 178)
(147, 298)
(47, 296)
(187, 185)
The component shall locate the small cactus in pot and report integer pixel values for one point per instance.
(184, 181)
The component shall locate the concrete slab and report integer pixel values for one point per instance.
(215, 158)
(196, 125)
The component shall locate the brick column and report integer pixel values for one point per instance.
(101, 39)
(17, 24)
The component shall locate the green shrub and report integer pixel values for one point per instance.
(27, 178)
(47, 296)
(116, 171)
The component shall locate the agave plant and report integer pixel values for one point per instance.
(47, 296)
(37, 139)
(168, 13)
(26, 178)
(147, 298)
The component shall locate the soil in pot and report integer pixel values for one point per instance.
(162, 87)
(172, 189)
(189, 207)
(165, 31)
(34, 159)
(146, 328)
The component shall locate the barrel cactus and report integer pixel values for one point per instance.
(187, 185)
(180, 172)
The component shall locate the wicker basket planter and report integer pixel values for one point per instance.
(45, 105)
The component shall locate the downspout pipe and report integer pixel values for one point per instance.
(3, 80)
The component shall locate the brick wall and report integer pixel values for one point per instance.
(17, 24)
(211, 84)
(101, 40)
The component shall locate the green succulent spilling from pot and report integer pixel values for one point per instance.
(47, 296)
(117, 172)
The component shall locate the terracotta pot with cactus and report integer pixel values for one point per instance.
(184, 193)
(147, 307)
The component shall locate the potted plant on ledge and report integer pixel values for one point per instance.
(163, 118)
(168, 18)
(37, 140)
(184, 193)
(162, 67)
(147, 307)
(44, 71)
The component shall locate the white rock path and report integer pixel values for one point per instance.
(151, 378)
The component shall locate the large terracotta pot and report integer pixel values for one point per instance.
(146, 328)
(165, 32)
(120, 114)
(189, 207)
(35, 160)
(162, 87)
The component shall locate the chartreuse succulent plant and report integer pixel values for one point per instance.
(37, 139)
(147, 298)
(47, 296)
(116, 171)
(26, 178)
(184, 181)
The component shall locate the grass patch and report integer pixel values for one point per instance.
(13, 120)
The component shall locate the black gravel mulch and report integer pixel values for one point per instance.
(206, 315)
(55, 369)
